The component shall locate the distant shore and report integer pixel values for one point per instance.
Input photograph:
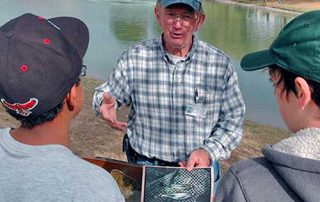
(291, 6)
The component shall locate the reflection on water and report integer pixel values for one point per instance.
(138, 26)
(238, 30)
(116, 24)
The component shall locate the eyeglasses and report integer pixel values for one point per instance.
(84, 70)
(185, 19)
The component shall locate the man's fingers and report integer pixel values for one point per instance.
(118, 125)
(106, 113)
(108, 99)
(112, 120)
(109, 114)
(182, 164)
(190, 164)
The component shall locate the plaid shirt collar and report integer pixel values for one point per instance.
(190, 54)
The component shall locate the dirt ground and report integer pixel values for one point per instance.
(92, 137)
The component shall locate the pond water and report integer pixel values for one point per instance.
(116, 24)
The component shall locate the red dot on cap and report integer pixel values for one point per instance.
(24, 68)
(40, 18)
(46, 41)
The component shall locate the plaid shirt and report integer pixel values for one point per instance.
(160, 91)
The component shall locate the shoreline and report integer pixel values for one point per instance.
(262, 7)
(287, 6)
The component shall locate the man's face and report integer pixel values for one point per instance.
(178, 24)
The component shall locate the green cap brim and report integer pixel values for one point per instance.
(257, 60)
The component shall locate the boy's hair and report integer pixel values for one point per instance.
(32, 121)
(288, 79)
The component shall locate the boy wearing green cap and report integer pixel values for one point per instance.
(290, 169)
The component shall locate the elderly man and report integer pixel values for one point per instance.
(186, 108)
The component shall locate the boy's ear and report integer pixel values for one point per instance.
(303, 92)
(71, 98)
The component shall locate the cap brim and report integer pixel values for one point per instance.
(75, 31)
(257, 60)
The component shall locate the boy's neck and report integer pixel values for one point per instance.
(44, 134)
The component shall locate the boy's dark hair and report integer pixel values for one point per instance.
(288, 79)
(32, 121)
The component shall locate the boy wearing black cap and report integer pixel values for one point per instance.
(41, 65)
(290, 169)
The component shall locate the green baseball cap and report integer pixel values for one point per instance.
(296, 49)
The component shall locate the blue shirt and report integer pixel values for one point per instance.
(161, 92)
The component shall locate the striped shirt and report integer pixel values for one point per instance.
(161, 92)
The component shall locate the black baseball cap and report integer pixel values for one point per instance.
(40, 60)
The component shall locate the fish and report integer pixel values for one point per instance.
(177, 196)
